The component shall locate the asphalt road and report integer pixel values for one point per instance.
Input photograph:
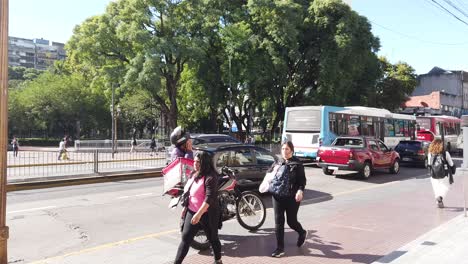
(71, 221)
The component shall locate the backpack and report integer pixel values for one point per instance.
(439, 168)
(280, 186)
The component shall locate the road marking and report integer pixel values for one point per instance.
(136, 195)
(170, 232)
(32, 209)
(143, 194)
(105, 246)
(353, 227)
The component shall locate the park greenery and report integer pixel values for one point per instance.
(204, 64)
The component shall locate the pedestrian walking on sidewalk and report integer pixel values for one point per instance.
(15, 145)
(153, 146)
(134, 143)
(440, 169)
(63, 150)
(202, 210)
(287, 189)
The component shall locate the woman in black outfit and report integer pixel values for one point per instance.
(289, 203)
(203, 209)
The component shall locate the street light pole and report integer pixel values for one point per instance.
(113, 121)
(3, 127)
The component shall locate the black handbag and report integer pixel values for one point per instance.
(453, 169)
(184, 198)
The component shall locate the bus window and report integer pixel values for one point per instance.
(354, 128)
(406, 128)
(332, 123)
(389, 129)
(367, 126)
(342, 125)
(398, 127)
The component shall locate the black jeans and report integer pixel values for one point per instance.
(290, 207)
(189, 231)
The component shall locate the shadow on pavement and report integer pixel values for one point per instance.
(310, 197)
(382, 176)
(263, 243)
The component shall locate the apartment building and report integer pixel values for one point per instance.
(440, 92)
(34, 53)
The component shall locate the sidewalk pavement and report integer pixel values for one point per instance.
(444, 244)
(369, 232)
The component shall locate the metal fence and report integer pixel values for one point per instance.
(92, 158)
(31, 165)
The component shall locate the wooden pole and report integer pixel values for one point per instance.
(3, 127)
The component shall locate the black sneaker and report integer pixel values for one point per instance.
(218, 261)
(440, 203)
(302, 238)
(278, 253)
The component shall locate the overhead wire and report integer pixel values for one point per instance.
(462, 5)
(418, 39)
(448, 11)
(455, 7)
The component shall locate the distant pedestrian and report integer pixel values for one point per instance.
(153, 145)
(134, 143)
(202, 211)
(62, 150)
(15, 145)
(440, 165)
(287, 189)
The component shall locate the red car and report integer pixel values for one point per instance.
(360, 154)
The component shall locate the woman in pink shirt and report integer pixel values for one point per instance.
(203, 210)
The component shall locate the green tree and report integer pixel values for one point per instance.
(141, 44)
(57, 104)
(397, 83)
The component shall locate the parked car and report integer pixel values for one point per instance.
(360, 154)
(413, 151)
(250, 163)
(198, 139)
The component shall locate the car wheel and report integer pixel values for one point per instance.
(366, 171)
(395, 167)
(326, 171)
(426, 163)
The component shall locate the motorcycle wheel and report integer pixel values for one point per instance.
(250, 211)
(200, 241)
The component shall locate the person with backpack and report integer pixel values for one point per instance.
(440, 169)
(202, 211)
(287, 189)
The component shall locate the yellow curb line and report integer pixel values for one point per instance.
(109, 245)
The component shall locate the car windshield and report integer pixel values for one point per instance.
(349, 142)
(202, 140)
(408, 145)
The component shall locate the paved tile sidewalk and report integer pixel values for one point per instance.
(447, 243)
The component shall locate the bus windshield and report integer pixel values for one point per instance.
(299, 120)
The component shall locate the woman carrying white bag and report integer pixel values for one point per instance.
(286, 183)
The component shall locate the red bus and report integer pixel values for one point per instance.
(429, 127)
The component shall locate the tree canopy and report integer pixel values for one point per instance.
(208, 64)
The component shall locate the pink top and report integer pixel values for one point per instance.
(197, 194)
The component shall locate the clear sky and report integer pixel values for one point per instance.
(418, 32)
(50, 19)
(414, 31)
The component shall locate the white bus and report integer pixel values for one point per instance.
(308, 127)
